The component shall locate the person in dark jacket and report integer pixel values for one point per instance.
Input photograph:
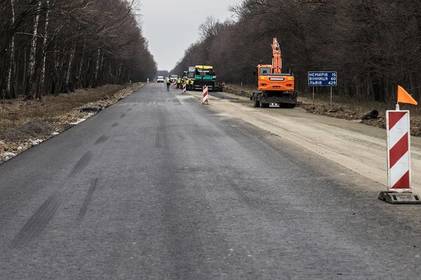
(168, 84)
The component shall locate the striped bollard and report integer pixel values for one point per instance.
(184, 88)
(400, 190)
(205, 95)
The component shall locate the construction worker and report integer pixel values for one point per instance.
(179, 83)
(168, 84)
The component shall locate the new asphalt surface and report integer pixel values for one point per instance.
(160, 187)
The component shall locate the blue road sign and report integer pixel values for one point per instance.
(322, 79)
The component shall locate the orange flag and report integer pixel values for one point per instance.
(404, 97)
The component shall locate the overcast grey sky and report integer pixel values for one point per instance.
(171, 26)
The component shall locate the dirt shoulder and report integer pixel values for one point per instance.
(24, 124)
(348, 143)
(343, 108)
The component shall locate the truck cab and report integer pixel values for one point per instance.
(268, 81)
(204, 75)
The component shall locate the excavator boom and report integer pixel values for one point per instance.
(277, 57)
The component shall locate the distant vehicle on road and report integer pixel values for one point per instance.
(160, 79)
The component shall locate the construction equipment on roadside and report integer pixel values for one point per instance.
(273, 86)
(203, 75)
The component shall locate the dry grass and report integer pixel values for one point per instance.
(14, 113)
(23, 122)
(347, 108)
(245, 90)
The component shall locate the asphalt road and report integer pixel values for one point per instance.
(160, 187)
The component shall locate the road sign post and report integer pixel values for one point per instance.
(313, 95)
(331, 96)
(323, 79)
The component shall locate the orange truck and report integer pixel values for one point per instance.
(273, 86)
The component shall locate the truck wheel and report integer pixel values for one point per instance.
(264, 105)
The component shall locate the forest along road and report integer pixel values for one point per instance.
(358, 147)
(161, 187)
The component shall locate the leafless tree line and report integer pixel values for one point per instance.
(52, 46)
(373, 44)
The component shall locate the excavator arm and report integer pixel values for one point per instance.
(277, 57)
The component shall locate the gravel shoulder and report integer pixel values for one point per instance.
(348, 143)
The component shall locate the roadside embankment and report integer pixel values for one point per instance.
(342, 108)
(25, 123)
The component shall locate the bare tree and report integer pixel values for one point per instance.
(44, 47)
(12, 52)
(33, 51)
(50, 46)
(374, 45)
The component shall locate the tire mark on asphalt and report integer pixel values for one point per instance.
(160, 136)
(122, 115)
(84, 209)
(158, 140)
(38, 221)
(115, 124)
(81, 164)
(181, 136)
(101, 140)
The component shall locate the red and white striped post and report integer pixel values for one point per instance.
(205, 95)
(184, 88)
(400, 190)
(398, 151)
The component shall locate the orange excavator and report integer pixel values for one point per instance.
(273, 86)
